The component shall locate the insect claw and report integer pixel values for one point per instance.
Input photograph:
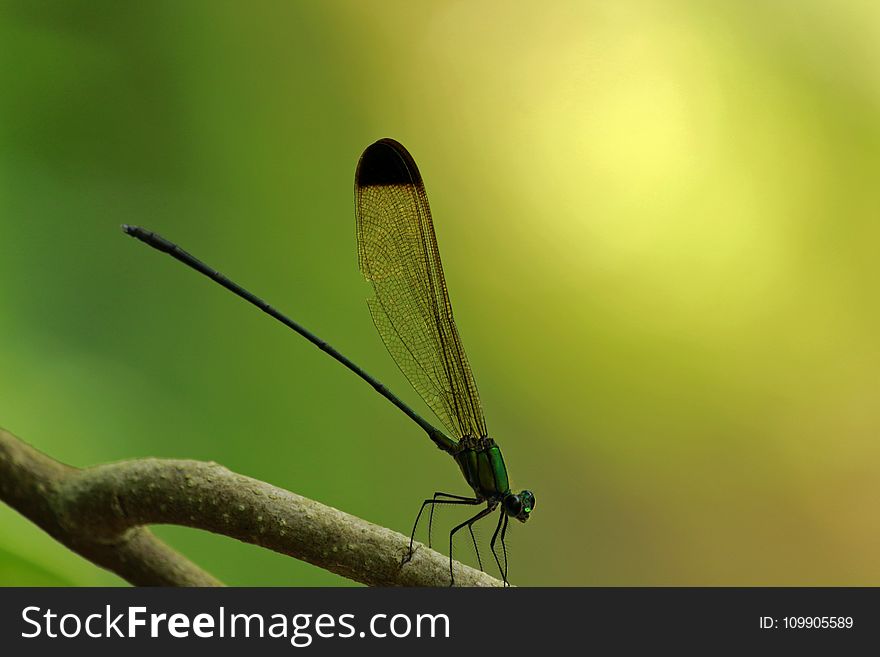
(407, 557)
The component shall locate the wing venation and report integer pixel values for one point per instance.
(397, 252)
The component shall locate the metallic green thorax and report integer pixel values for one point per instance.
(483, 467)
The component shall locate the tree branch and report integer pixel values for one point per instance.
(100, 513)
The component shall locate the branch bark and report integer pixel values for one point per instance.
(102, 512)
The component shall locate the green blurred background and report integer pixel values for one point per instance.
(659, 223)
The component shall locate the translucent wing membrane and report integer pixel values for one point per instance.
(397, 251)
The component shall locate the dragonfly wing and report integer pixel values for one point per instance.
(397, 252)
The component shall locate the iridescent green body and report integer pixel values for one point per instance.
(483, 467)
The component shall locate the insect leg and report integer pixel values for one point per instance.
(458, 500)
(476, 547)
(504, 548)
(467, 523)
(431, 515)
(492, 544)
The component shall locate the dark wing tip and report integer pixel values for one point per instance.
(387, 162)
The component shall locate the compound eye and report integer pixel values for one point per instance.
(514, 505)
(528, 500)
